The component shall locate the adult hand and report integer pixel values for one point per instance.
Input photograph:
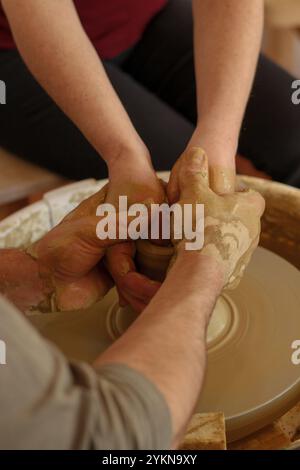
(63, 270)
(232, 221)
(70, 257)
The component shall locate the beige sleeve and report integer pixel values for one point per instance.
(48, 403)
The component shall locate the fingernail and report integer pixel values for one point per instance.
(124, 268)
(241, 186)
(197, 155)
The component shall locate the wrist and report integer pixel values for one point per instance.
(220, 144)
(133, 156)
(202, 266)
(197, 281)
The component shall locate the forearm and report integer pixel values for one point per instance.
(59, 54)
(167, 342)
(227, 42)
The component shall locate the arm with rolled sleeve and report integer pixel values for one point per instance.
(48, 403)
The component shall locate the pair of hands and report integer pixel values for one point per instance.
(80, 268)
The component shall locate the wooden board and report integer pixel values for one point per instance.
(19, 179)
(268, 438)
(206, 431)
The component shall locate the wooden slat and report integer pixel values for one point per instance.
(20, 179)
(268, 438)
(206, 431)
(289, 423)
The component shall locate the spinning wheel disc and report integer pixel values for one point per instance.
(250, 374)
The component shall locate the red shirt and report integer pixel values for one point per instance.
(112, 25)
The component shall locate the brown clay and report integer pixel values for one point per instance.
(153, 260)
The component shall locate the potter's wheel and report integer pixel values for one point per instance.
(250, 375)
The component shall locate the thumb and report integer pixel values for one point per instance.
(193, 173)
(222, 179)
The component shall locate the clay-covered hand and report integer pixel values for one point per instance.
(133, 288)
(232, 221)
(63, 270)
(70, 258)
